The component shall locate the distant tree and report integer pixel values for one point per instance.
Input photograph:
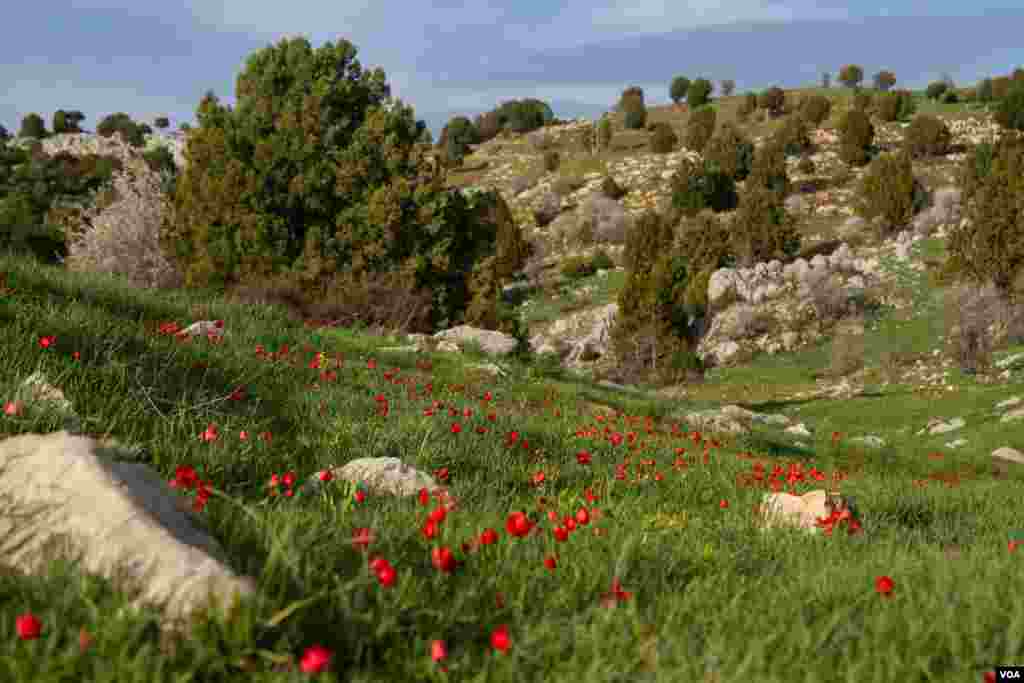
(161, 122)
(184, 126)
(936, 89)
(4, 135)
(947, 79)
(728, 87)
(884, 80)
(32, 126)
(698, 94)
(985, 90)
(59, 122)
(851, 75)
(826, 80)
(73, 120)
(678, 88)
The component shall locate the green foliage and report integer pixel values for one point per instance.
(815, 109)
(698, 93)
(794, 136)
(60, 124)
(974, 169)
(850, 75)
(634, 111)
(987, 248)
(773, 100)
(894, 106)
(120, 122)
(663, 138)
(602, 261)
(699, 128)
(161, 160)
(1010, 112)
(4, 135)
(730, 151)
(551, 160)
(315, 177)
(950, 97)
(576, 267)
(33, 186)
(856, 133)
(523, 116)
(769, 169)
(884, 80)
(761, 230)
(611, 189)
(888, 190)
(927, 136)
(695, 188)
(984, 92)
(678, 88)
(457, 136)
(935, 90)
(604, 133)
(633, 91)
(32, 126)
(162, 122)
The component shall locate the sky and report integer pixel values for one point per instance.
(449, 57)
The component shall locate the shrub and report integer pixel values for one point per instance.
(551, 161)
(761, 229)
(699, 128)
(456, 137)
(815, 109)
(850, 75)
(4, 135)
(602, 261)
(974, 169)
(604, 133)
(984, 92)
(769, 169)
(862, 101)
(935, 90)
(162, 122)
(887, 190)
(950, 97)
(236, 221)
(663, 138)
(732, 153)
(611, 189)
(806, 165)
(606, 220)
(793, 136)
(927, 136)
(635, 116)
(887, 106)
(695, 188)
(547, 209)
(773, 100)
(856, 133)
(986, 248)
(632, 92)
(1010, 112)
(487, 125)
(678, 88)
(698, 92)
(32, 126)
(576, 267)
(523, 116)
(748, 106)
(121, 123)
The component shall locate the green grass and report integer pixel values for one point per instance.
(708, 593)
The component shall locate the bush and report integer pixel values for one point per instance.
(884, 80)
(806, 165)
(1010, 112)
(695, 188)
(935, 90)
(547, 209)
(604, 133)
(602, 261)
(773, 100)
(732, 153)
(815, 109)
(32, 126)
(850, 75)
(748, 106)
(699, 128)
(576, 267)
(862, 101)
(761, 230)
(605, 219)
(663, 138)
(236, 221)
(487, 125)
(856, 133)
(769, 169)
(974, 169)
(987, 247)
(927, 136)
(698, 92)
(635, 117)
(551, 161)
(121, 123)
(950, 97)
(889, 190)
(678, 88)
(632, 92)
(793, 136)
(895, 106)
(523, 116)
(456, 137)
(611, 189)
(162, 122)
(984, 92)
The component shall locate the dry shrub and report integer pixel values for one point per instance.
(972, 317)
(829, 299)
(540, 141)
(848, 349)
(750, 322)
(547, 209)
(608, 221)
(122, 233)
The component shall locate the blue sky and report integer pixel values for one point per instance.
(446, 57)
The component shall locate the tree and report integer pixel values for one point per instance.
(4, 135)
(728, 87)
(985, 91)
(697, 95)
(32, 126)
(161, 122)
(678, 88)
(884, 80)
(59, 122)
(935, 90)
(73, 120)
(851, 75)
(826, 80)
